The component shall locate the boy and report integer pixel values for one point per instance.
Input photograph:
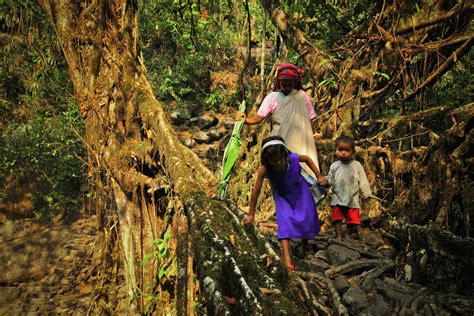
(347, 177)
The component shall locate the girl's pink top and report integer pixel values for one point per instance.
(271, 101)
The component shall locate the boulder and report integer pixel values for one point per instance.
(356, 300)
(339, 255)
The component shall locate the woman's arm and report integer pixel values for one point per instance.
(256, 119)
(312, 166)
(254, 197)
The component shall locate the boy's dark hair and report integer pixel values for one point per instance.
(272, 150)
(346, 140)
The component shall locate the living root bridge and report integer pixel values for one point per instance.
(234, 263)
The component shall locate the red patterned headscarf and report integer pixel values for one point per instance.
(288, 72)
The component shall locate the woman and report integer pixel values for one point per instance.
(290, 112)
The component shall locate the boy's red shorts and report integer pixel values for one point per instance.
(350, 214)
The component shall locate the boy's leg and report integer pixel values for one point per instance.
(353, 221)
(348, 232)
(337, 217)
(353, 228)
(338, 229)
(285, 249)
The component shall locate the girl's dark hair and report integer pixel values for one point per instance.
(272, 151)
(346, 140)
(277, 87)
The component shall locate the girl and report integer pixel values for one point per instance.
(290, 112)
(295, 208)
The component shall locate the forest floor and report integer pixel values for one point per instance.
(47, 269)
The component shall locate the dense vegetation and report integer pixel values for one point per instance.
(41, 166)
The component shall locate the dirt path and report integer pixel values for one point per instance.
(46, 269)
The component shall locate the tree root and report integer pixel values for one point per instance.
(369, 279)
(336, 299)
(355, 265)
(311, 299)
(440, 241)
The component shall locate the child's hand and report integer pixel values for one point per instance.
(322, 181)
(248, 219)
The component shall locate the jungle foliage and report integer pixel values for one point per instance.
(41, 150)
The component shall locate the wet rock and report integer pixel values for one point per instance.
(341, 284)
(355, 300)
(339, 255)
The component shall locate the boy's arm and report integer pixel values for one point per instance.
(312, 166)
(250, 217)
(364, 183)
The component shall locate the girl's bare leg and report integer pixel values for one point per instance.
(285, 248)
(307, 249)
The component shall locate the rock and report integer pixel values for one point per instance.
(378, 306)
(189, 142)
(321, 244)
(202, 138)
(176, 119)
(215, 134)
(314, 265)
(322, 255)
(355, 300)
(229, 124)
(370, 237)
(339, 255)
(207, 120)
(179, 117)
(341, 284)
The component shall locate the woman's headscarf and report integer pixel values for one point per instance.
(288, 72)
